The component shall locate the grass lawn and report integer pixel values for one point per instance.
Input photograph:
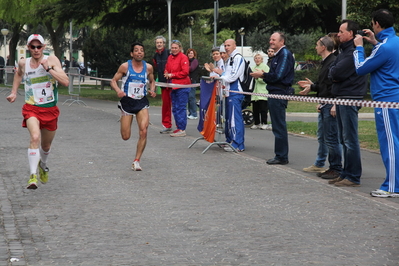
(367, 132)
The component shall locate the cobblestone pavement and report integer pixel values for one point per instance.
(185, 207)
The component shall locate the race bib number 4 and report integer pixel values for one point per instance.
(136, 90)
(43, 93)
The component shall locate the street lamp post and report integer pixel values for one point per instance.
(190, 24)
(215, 20)
(169, 21)
(343, 9)
(5, 33)
(242, 33)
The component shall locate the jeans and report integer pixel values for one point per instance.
(322, 151)
(329, 127)
(277, 115)
(192, 103)
(347, 118)
(179, 107)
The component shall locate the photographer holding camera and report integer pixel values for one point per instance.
(383, 66)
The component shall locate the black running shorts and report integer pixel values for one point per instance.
(131, 106)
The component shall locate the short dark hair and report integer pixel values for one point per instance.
(216, 49)
(134, 44)
(383, 17)
(353, 26)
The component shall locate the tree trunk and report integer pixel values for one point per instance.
(12, 46)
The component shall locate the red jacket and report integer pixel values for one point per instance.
(179, 66)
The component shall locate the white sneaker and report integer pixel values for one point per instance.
(263, 127)
(384, 194)
(254, 127)
(192, 117)
(136, 166)
(178, 133)
(229, 149)
(269, 127)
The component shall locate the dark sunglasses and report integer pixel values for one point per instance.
(34, 47)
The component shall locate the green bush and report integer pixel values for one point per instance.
(311, 74)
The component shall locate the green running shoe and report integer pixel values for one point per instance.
(32, 183)
(43, 173)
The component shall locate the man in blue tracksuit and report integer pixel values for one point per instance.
(383, 66)
(234, 72)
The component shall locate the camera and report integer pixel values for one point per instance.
(361, 33)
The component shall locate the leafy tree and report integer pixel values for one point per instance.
(301, 45)
(107, 49)
(291, 16)
(13, 18)
(361, 10)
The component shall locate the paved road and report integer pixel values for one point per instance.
(185, 207)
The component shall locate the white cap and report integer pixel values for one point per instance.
(221, 48)
(36, 37)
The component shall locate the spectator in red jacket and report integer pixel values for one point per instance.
(177, 72)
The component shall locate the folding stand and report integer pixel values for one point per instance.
(74, 71)
(220, 115)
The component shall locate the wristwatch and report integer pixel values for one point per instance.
(49, 68)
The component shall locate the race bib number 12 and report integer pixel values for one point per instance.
(136, 90)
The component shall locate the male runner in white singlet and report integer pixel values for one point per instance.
(41, 74)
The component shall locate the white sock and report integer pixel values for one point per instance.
(43, 157)
(34, 158)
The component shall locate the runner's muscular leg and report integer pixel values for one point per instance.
(126, 126)
(33, 127)
(47, 139)
(142, 121)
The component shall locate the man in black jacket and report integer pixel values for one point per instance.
(347, 84)
(327, 132)
(159, 60)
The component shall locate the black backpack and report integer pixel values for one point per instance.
(247, 84)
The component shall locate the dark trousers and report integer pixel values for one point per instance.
(277, 115)
(260, 109)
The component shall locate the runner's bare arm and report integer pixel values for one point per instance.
(122, 70)
(150, 75)
(57, 72)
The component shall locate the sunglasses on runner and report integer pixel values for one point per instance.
(33, 47)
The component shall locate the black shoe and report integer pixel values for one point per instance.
(275, 161)
(329, 174)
